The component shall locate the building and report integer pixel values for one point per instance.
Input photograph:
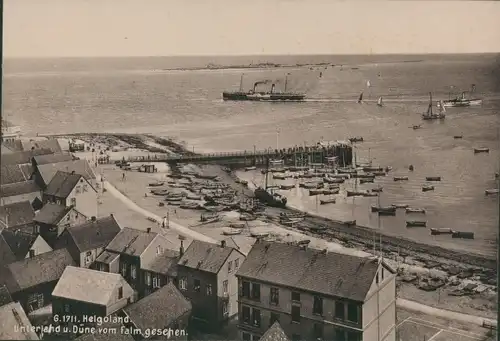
(21, 191)
(10, 174)
(25, 242)
(10, 131)
(18, 214)
(84, 292)
(23, 157)
(206, 276)
(164, 309)
(14, 324)
(40, 160)
(160, 271)
(50, 144)
(31, 281)
(274, 333)
(53, 219)
(136, 248)
(85, 242)
(107, 262)
(316, 294)
(71, 189)
(44, 172)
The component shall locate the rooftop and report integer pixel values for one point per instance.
(52, 158)
(16, 214)
(131, 241)
(159, 309)
(62, 184)
(12, 317)
(18, 158)
(205, 256)
(19, 188)
(29, 272)
(86, 285)
(51, 214)
(274, 333)
(13, 173)
(107, 257)
(20, 240)
(327, 273)
(165, 264)
(49, 170)
(94, 234)
(51, 144)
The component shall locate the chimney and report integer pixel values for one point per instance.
(324, 251)
(72, 172)
(223, 243)
(254, 87)
(181, 249)
(148, 229)
(93, 219)
(32, 253)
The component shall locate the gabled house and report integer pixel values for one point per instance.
(44, 173)
(25, 242)
(137, 248)
(206, 276)
(40, 160)
(18, 214)
(21, 191)
(14, 323)
(164, 309)
(160, 271)
(53, 219)
(31, 281)
(71, 189)
(87, 241)
(50, 144)
(23, 157)
(274, 333)
(84, 292)
(11, 174)
(315, 294)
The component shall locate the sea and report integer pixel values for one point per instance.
(176, 97)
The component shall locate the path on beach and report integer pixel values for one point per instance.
(185, 231)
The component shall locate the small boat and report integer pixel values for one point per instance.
(383, 208)
(411, 168)
(457, 137)
(427, 188)
(327, 201)
(463, 235)
(193, 197)
(331, 191)
(259, 234)
(400, 178)
(378, 189)
(372, 169)
(356, 193)
(416, 126)
(237, 225)
(430, 114)
(386, 213)
(415, 210)
(379, 102)
(173, 199)
(400, 205)
(189, 206)
(247, 217)
(339, 176)
(416, 223)
(432, 178)
(174, 203)
(156, 184)
(370, 194)
(231, 232)
(481, 150)
(349, 222)
(287, 187)
(435, 231)
(360, 98)
(356, 139)
(159, 191)
(491, 191)
(463, 101)
(366, 180)
(303, 242)
(248, 169)
(279, 177)
(315, 192)
(379, 173)
(329, 180)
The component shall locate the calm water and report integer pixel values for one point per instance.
(137, 95)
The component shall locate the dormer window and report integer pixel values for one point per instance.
(158, 250)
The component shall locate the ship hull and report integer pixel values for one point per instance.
(267, 198)
(263, 97)
(462, 103)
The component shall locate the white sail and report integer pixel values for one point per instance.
(379, 102)
(368, 84)
(360, 99)
(441, 107)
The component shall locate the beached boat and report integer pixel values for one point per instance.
(327, 201)
(360, 98)
(427, 188)
(415, 210)
(366, 180)
(329, 180)
(416, 126)
(400, 205)
(375, 208)
(174, 203)
(312, 185)
(386, 213)
(349, 222)
(491, 191)
(231, 232)
(331, 191)
(159, 191)
(290, 215)
(259, 234)
(481, 150)
(462, 100)
(315, 192)
(356, 139)
(287, 186)
(416, 223)
(370, 194)
(436, 231)
(156, 184)
(172, 199)
(247, 217)
(248, 169)
(339, 176)
(372, 169)
(400, 178)
(356, 193)
(462, 235)
(378, 189)
(189, 205)
(237, 225)
(457, 137)
(279, 177)
(430, 114)
(379, 102)
(193, 197)
(432, 178)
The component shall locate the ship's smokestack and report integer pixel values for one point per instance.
(255, 86)
(272, 88)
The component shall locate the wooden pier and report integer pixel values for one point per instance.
(339, 153)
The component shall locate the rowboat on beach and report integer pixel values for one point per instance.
(156, 184)
(327, 201)
(400, 178)
(435, 231)
(415, 210)
(427, 188)
(416, 223)
(248, 169)
(491, 191)
(331, 191)
(457, 137)
(366, 180)
(378, 189)
(231, 232)
(315, 192)
(400, 205)
(432, 178)
(383, 208)
(287, 186)
(481, 150)
(462, 235)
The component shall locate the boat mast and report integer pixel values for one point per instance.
(267, 172)
(286, 81)
(429, 110)
(241, 83)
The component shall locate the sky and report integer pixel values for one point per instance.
(102, 28)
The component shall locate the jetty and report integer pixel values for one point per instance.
(339, 153)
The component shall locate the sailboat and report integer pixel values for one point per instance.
(360, 99)
(463, 101)
(266, 196)
(379, 102)
(355, 192)
(383, 210)
(430, 114)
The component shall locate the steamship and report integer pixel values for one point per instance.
(253, 95)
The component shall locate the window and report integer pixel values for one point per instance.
(245, 289)
(196, 285)
(67, 308)
(133, 271)
(156, 281)
(183, 283)
(73, 201)
(120, 293)
(353, 336)
(352, 312)
(256, 317)
(339, 310)
(295, 313)
(124, 269)
(158, 250)
(295, 296)
(209, 289)
(246, 336)
(245, 314)
(236, 263)
(88, 257)
(318, 331)
(147, 278)
(339, 335)
(225, 287)
(376, 278)
(225, 308)
(275, 296)
(256, 291)
(85, 188)
(318, 305)
(229, 266)
(274, 318)
(78, 190)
